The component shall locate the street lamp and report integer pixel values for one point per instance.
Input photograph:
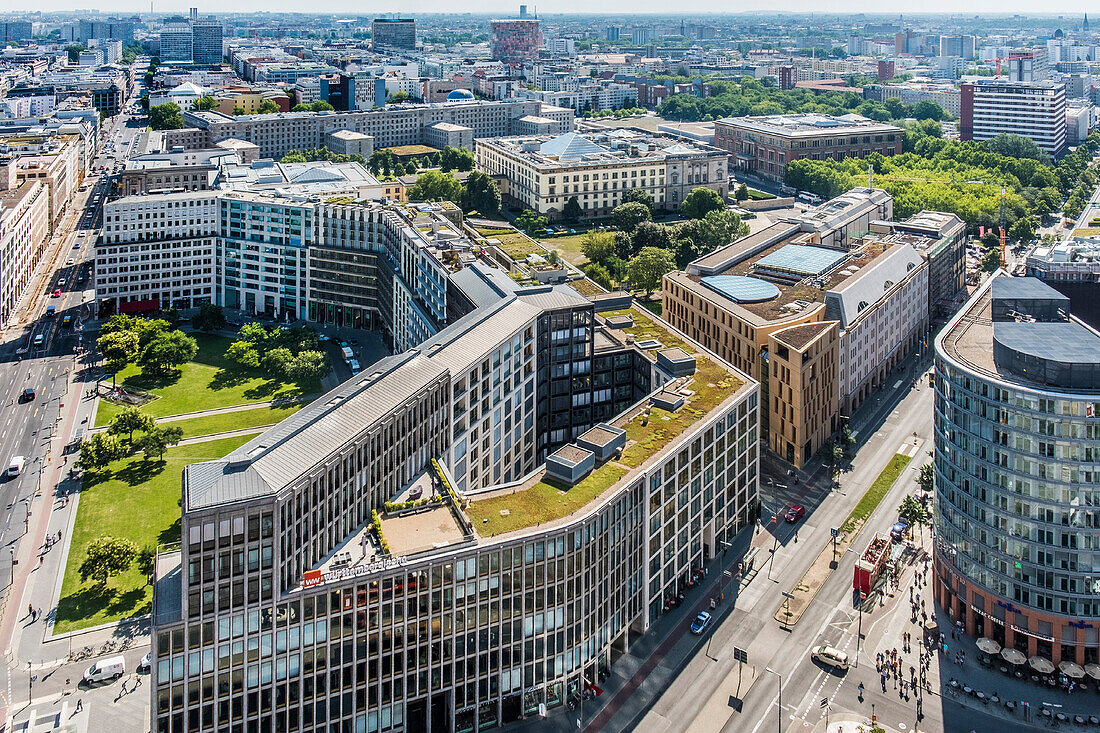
(779, 714)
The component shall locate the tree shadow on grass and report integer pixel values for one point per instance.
(149, 380)
(267, 389)
(170, 534)
(84, 603)
(139, 471)
(127, 603)
(226, 378)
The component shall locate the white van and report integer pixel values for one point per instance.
(110, 668)
(348, 353)
(354, 366)
(16, 466)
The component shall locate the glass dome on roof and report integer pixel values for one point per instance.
(741, 289)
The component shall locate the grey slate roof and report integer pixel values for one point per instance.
(869, 285)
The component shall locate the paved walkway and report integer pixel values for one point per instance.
(224, 410)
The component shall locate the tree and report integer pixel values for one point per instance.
(640, 196)
(277, 360)
(73, 51)
(458, 159)
(165, 116)
(436, 186)
(399, 96)
(321, 106)
(836, 456)
(912, 511)
(700, 202)
(107, 557)
(1023, 229)
(244, 354)
(599, 274)
(991, 260)
(155, 441)
(742, 193)
(1016, 146)
(253, 333)
(572, 210)
(167, 351)
(926, 478)
(98, 450)
(130, 420)
(482, 194)
(267, 107)
(651, 234)
(531, 222)
(598, 245)
(239, 111)
(926, 109)
(210, 317)
(628, 216)
(308, 366)
(205, 103)
(119, 349)
(646, 269)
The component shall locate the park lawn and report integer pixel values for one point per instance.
(133, 499)
(256, 417)
(876, 493)
(568, 246)
(206, 383)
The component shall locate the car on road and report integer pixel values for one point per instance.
(146, 663)
(110, 668)
(15, 466)
(830, 656)
(70, 262)
(67, 321)
(28, 394)
(61, 282)
(38, 341)
(796, 512)
(76, 244)
(56, 293)
(51, 310)
(701, 623)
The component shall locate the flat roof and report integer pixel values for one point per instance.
(740, 288)
(809, 124)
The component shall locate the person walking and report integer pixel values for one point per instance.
(79, 704)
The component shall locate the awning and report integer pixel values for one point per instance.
(139, 306)
(1093, 670)
(1013, 656)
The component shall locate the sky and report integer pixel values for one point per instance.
(1070, 7)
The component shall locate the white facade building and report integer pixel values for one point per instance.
(1035, 110)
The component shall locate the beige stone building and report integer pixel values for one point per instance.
(24, 225)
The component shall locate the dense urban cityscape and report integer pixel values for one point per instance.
(549, 371)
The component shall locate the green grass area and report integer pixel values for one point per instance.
(543, 502)
(206, 383)
(653, 306)
(760, 195)
(515, 245)
(875, 494)
(585, 287)
(133, 499)
(256, 417)
(568, 246)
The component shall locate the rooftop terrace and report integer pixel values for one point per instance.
(539, 500)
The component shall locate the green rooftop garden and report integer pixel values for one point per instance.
(546, 500)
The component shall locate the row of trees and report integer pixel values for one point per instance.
(752, 97)
(480, 192)
(293, 353)
(266, 106)
(100, 449)
(312, 154)
(964, 178)
(151, 343)
(642, 251)
(384, 162)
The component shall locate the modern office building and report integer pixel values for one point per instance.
(941, 239)
(206, 41)
(544, 172)
(358, 606)
(412, 124)
(838, 296)
(1034, 110)
(24, 225)
(393, 33)
(176, 43)
(16, 30)
(1017, 472)
(515, 42)
(961, 46)
(764, 145)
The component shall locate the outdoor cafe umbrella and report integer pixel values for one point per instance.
(988, 645)
(1013, 656)
(1072, 670)
(1093, 670)
(1042, 665)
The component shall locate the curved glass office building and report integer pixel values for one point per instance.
(1018, 471)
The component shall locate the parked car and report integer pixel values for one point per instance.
(830, 657)
(146, 663)
(899, 531)
(701, 622)
(796, 512)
